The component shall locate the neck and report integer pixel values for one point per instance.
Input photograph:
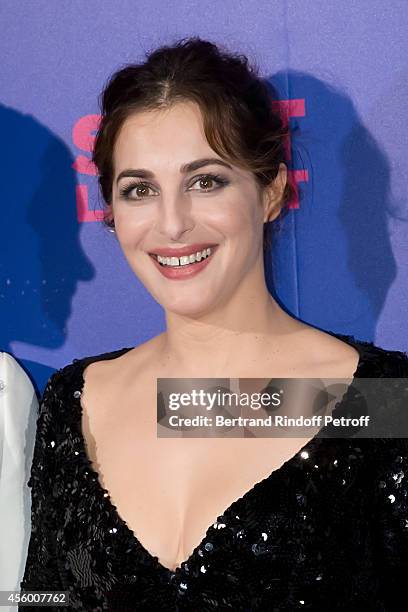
(230, 336)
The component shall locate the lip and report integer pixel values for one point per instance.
(184, 272)
(189, 249)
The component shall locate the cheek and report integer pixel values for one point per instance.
(131, 227)
(241, 219)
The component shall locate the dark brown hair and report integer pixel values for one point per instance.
(238, 120)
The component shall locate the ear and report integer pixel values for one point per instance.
(272, 196)
(108, 217)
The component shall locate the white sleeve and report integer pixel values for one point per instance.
(18, 414)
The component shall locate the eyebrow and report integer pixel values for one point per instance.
(185, 168)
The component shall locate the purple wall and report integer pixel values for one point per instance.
(340, 262)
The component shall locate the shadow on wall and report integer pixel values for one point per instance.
(41, 256)
(339, 254)
(331, 261)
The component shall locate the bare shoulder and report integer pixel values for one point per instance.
(118, 371)
(333, 356)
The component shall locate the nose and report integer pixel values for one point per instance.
(174, 217)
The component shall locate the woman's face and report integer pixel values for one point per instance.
(159, 203)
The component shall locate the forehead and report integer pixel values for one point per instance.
(173, 132)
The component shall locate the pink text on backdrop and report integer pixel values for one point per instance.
(83, 137)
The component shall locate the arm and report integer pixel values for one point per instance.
(18, 410)
(41, 569)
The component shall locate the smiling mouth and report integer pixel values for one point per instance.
(183, 260)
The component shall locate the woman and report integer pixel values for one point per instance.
(18, 410)
(190, 160)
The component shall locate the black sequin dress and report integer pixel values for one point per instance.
(328, 530)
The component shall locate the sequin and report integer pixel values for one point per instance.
(398, 477)
(305, 537)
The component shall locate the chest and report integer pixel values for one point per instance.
(170, 490)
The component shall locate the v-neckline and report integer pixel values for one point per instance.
(275, 474)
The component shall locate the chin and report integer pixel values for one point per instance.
(187, 308)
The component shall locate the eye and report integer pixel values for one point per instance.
(142, 189)
(139, 187)
(208, 181)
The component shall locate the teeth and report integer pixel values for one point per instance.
(184, 259)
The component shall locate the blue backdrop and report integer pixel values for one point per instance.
(340, 259)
